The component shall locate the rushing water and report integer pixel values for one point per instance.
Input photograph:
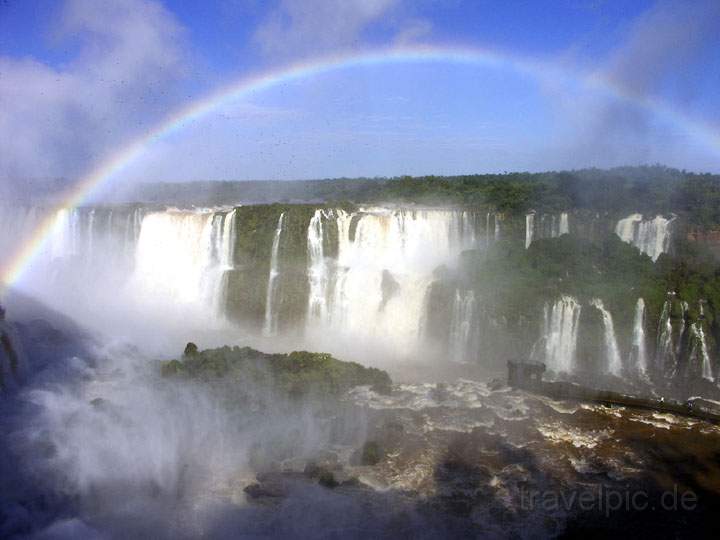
(560, 328)
(699, 356)
(365, 279)
(651, 236)
(376, 288)
(564, 227)
(270, 327)
(317, 268)
(612, 352)
(638, 354)
(183, 256)
(545, 226)
(529, 229)
(460, 340)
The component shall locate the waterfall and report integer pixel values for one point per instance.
(638, 355)
(699, 352)
(612, 353)
(90, 231)
(461, 325)
(487, 230)
(550, 226)
(317, 268)
(564, 224)
(560, 327)
(529, 229)
(467, 228)
(665, 352)
(497, 226)
(270, 327)
(227, 241)
(184, 256)
(651, 237)
(375, 291)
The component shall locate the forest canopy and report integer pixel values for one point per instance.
(646, 189)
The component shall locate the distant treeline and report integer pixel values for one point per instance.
(645, 189)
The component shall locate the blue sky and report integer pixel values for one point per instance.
(80, 79)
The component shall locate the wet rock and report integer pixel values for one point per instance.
(371, 453)
(190, 349)
(327, 479)
(441, 393)
(257, 491)
(496, 384)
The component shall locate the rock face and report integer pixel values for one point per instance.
(708, 238)
(11, 355)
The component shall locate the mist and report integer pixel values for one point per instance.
(350, 269)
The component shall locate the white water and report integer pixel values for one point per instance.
(612, 352)
(564, 224)
(226, 241)
(85, 260)
(400, 248)
(461, 326)
(182, 258)
(487, 229)
(638, 355)
(560, 328)
(270, 326)
(665, 350)
(317, 269)
(699, 351)
(529, 229)
(651, 237)
(547, 226)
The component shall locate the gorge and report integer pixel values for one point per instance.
(385, 326)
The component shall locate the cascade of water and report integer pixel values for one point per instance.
(469, 238)
(176, 261)
(612, 352)
(461, 325)
(487, 229)
(497, 226)
(564, 224)
(699, 351)
(227, 241)
(638, 355)
(529, 229)
(90, 231)
(651, 237)
(270, 326)
(684, 307)
(375, 291)
(61, 241)
(317, 268)
(665, 352)
(561, 330)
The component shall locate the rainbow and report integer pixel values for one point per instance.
(110, 168)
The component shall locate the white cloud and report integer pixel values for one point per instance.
(58, 120)
(304, 27)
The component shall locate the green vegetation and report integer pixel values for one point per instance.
(296, 375)
(647, 189)
(515, 283)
